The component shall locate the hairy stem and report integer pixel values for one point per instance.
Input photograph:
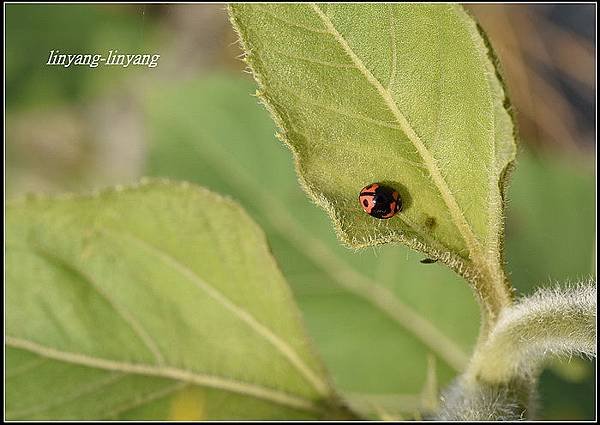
(500, 381)
(551, 322)
(463, 401)
(494, 294)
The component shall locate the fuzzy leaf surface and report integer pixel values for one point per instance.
(155, 302)
(405, 94)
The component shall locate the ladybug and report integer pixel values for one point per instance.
(380, 201)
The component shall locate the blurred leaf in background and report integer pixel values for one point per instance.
(189, 118)
(145, 303)
(551, 211)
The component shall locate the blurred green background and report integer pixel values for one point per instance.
(192, 118)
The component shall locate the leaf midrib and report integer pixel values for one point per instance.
(280, 345)
(456, 214)
(217, 382)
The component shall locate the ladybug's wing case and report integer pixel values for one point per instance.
(398, 204)
(392, 210)
(367, 201)
(380, 201)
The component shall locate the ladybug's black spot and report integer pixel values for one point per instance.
(385, 202)
(365, 203)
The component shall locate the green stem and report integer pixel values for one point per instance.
(494, 294)
(552, 321)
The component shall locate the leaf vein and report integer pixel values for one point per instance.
(316, 61)
(343, 111)
(80, 392)
(291, 23)
(227, 384)
(238, 311)
(147, 398)
(121, 311)
(473, 245)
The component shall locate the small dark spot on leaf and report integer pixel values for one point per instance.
(430, 223)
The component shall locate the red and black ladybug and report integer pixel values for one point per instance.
(380, 201)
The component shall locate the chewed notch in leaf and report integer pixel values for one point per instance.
(404, 94)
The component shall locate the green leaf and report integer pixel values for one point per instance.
(540, 252)
(551, 238)
(399, 93)
(375, 314)
(159, 302)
